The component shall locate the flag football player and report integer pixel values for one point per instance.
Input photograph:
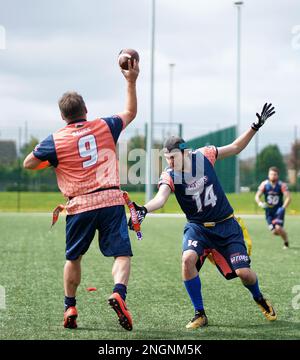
(211, 228)
(83, 154)
(277, 198)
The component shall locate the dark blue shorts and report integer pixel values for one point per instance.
(225, 241)
(273, 219)
(111, 224)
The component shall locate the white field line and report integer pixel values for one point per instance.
(164, 215)
(179, 215)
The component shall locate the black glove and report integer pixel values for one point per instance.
(141, 214)
(267, 111)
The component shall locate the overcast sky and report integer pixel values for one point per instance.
(54, 46)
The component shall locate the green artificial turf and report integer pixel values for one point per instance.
(46, 201)
(32, 260)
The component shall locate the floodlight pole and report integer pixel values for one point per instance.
(171, 72)
(26, 132)
(256, 156)
(149, 189)
(19, 170)
(238, 5)
(296, 155)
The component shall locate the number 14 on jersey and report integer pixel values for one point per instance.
(210, 199)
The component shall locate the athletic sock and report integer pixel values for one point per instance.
(121, 289)
(255, 290)
(69, 301)
(200, 312)
(193, 287)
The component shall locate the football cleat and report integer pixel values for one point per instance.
(266, 308)
(286, 245)
(119, 305)
(199, 320)
(70, 317)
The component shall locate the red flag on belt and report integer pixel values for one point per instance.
(56, 213)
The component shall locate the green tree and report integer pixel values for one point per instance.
(270, 156)
(28, 147)
(8, 152)
(247, 173)
(14, 177)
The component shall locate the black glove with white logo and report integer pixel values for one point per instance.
(267, 111)
(141, 214)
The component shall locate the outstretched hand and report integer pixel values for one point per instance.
(267, 111)
(133, 71)
(141, 214)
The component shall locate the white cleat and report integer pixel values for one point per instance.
(286, 245)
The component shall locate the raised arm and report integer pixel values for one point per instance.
(242, 141)
(237, 145)
(130, 110)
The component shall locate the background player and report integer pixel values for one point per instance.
(211, 227)
(83, 154)
(274, 190)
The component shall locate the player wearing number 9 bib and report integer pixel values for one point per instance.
(83, 154)
(211, 228)
(274, 190)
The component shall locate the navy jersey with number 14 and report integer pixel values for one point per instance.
(199, 193)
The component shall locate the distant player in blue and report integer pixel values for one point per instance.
(277, 199)
(211, 228)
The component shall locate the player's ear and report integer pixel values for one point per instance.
(86, 110)
(62, 116)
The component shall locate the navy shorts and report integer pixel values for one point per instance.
(224, 241)
(273, 219)
(111, 224)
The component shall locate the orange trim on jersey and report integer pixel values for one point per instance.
(262, 186)
(166, 179)
(210, 152)
(284, 187)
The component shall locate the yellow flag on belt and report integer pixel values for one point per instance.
(246, 237)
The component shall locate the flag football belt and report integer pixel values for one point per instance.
(61, 207)
(97, 190)
(213, 223)
(246, 235)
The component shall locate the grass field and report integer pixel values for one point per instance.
(45, 202)
(32, 260)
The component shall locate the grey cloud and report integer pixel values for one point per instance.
(59, 45)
